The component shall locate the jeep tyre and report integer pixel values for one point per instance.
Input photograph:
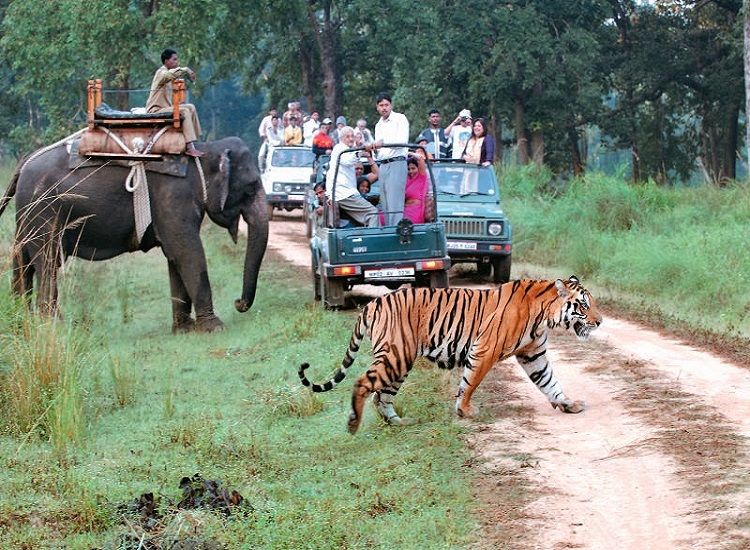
(484, 268)
(501, 269)
(331, 293)
(439, 279)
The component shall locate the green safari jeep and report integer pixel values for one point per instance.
(476, 228)
(345, 254)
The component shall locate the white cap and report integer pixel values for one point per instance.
(465, 113)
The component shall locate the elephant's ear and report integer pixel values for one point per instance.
(225, 167)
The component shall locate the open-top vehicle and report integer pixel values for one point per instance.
(476, 227)
(286, 177)
(345, 254)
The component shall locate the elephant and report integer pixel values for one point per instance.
(88, 213)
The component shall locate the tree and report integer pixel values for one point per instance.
(55, 47)
(746, 52)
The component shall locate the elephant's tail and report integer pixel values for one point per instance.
(11, 190)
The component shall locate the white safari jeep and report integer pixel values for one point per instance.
(286, 176)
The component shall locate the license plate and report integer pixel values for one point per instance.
(389, 272)
(460, 245)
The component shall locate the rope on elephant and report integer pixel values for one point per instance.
(40, 152)
(136, 182)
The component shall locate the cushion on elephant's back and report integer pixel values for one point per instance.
(104, 111)
(171, 142)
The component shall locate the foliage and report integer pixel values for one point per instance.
(679, 249)
(54, 48)
(661, 79)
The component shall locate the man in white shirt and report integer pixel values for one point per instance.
(345, 190)
(392, 127)
(309, 128)
(265, 124)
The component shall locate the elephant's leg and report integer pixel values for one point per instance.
(190, 268)
(181, 302)
(23, 272)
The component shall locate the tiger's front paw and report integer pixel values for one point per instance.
(572, 407)
(467, 411)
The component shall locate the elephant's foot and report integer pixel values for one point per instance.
(209, 323)
(183, 326)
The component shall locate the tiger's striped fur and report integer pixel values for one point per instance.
(461, 327)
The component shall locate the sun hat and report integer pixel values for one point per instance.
(465, 113)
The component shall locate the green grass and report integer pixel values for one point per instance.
(154, 408)
(682, 251)
(118, 407)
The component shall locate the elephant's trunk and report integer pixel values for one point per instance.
(257, 238)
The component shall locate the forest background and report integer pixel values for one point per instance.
(646, 90)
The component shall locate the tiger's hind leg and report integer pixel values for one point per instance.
(383, 401)
(378, 377)
(538, 369)
(475, 369)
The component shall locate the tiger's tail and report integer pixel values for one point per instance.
(360, 330)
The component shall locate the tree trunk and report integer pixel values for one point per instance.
(537, 147)
(729, 145)
(746, 9)
(308, 73)
(495, 128)
(326, 36)
(522, 141)
(575, 152)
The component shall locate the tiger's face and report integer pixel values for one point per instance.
(579, 310)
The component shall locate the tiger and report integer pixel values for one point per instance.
(463, 327)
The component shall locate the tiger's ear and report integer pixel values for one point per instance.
(574, 279)
(562, 290)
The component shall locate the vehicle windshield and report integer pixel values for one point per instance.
(292, 158)
(457, 181)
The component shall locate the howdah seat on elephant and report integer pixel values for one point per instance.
(128, 135)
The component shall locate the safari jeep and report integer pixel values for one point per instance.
(476, 227)
(286, 177)
(345, 254)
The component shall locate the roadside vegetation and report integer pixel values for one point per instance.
(675, 253)
(114, 431)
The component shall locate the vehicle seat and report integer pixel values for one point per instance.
(104, 111)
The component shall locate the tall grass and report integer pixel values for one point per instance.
(41, 381)
(680, 250)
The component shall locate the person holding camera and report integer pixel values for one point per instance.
(459, 132)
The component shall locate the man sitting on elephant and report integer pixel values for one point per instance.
(160, 98)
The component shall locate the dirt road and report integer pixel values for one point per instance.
(658, 460)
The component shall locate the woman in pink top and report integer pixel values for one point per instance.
(416, 189)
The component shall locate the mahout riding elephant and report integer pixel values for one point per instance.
(88, 213)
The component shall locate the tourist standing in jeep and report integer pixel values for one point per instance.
(392, 127)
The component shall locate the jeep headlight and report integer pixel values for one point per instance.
(278, 187)
(495, 228)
